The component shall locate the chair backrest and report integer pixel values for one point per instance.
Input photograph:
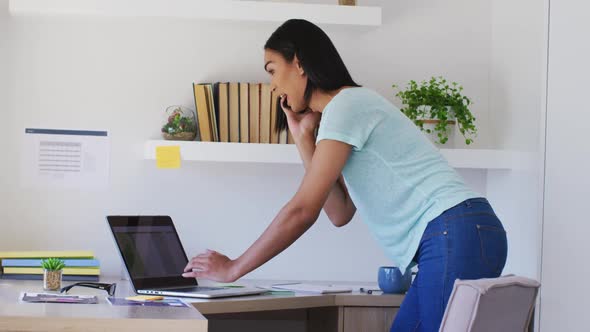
(498, 304)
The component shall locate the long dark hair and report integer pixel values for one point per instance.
(317, 55)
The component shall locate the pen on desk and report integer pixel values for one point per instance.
(368, 290)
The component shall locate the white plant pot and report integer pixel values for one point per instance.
(429, 124)
(433, 135)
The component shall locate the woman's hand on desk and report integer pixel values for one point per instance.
(211, 265)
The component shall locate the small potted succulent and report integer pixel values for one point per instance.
(52, 272)
(436, 107)
(181, 124)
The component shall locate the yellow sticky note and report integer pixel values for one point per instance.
(168, 156)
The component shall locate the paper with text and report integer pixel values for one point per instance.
(65, 158)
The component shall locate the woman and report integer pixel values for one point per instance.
(368, 155)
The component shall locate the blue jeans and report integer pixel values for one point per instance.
(465, 242)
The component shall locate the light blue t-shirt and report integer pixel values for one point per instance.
(397, 179)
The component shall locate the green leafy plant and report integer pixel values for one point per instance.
(178, 122)
(438, 100)
(53, 264)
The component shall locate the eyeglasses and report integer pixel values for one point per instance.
(109, 288)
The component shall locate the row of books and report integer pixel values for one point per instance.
(26, 265)
(238, 112)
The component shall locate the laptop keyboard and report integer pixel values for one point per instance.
(194, 289)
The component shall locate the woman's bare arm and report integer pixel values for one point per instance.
(339, 206)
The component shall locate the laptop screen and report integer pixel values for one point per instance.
(151, 250)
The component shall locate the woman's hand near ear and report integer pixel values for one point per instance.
(302, 125)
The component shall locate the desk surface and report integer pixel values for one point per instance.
(293, 301)
(89, 317)
(103, 316)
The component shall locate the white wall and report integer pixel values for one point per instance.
(3, 55)
(566, 228)
(120, 74)
(515, 111)
(516, 73)
(4, 93)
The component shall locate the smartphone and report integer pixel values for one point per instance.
(284, 104)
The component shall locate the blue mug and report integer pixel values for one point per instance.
(392, 281)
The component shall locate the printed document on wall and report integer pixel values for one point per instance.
(66, 158)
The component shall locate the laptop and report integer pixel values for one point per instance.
(155, 259)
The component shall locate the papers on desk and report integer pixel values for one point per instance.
(312, 288)
(167, 302)
(57, 298)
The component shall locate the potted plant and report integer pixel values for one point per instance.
(181, 124)
(436, 106)
(52, 272)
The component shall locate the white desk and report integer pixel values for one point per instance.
(19, 316)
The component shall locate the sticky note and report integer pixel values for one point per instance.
(168, 156)
(144, 298)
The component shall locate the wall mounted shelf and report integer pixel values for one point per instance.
(257, 11)
(287, 154)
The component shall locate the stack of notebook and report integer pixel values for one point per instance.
(26, 265)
